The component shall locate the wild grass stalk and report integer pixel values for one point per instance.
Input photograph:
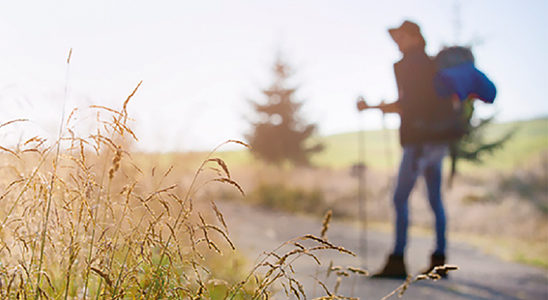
(52, 181)
(190, 192)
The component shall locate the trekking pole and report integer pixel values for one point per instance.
(362, 242)
(387, 147)
(358, 171)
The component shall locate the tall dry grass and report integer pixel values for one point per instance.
(85, 222)
(80, 219)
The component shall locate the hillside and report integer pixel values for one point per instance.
(382, 148)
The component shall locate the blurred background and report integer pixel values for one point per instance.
(202, 61)
(219, 70)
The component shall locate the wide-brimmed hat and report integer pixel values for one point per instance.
(408, 27)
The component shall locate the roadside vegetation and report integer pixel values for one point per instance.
(85, 218)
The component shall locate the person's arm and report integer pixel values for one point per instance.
(394, 107)
(386, 108)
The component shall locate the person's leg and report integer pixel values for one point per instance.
(433, 177)
(432, 174)
(407, 177)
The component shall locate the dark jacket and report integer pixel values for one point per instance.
(422, 113)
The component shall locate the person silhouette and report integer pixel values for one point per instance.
(424, 144)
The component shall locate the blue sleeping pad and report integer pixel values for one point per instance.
(458, 75)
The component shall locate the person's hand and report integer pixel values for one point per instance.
(361, 105)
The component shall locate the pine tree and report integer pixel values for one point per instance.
(280, 135)
(472, 146)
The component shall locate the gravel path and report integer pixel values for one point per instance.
(481, 276)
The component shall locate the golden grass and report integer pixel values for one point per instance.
(90, 223)
(81, 219)
(86, 221)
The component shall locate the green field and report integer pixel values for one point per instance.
(382, 149)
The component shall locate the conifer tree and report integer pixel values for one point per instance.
(472, 146)
(280, 134)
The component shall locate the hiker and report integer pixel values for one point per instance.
(423, 139)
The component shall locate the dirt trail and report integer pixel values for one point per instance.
(481, 276)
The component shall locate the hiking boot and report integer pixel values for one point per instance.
(394, 268)
(435, 261)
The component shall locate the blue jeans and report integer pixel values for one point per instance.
(420, 159)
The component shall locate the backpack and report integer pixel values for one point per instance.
(456, 74)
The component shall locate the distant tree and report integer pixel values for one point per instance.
(280, 134)
(472, 147)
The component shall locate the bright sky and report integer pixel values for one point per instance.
(200, 61)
